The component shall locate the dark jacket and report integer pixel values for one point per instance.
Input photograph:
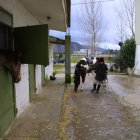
(101, 71)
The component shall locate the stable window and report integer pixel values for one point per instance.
(5, 30)
(5, 37)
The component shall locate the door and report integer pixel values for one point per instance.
(32, 85)
(33, 42)
(7, 98)
(7, 103)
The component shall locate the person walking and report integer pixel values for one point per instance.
(80, 71)
(101, 74)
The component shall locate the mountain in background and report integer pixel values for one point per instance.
(74, 47)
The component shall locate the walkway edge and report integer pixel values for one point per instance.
(66, 127)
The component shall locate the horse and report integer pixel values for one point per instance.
(91, 63)
(84, 66)
(11, 61)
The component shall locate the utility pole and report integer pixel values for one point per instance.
(67, 57)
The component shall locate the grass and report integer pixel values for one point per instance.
(60, 72)
(58, 66)
(76, 58)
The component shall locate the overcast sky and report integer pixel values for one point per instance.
(109, 18)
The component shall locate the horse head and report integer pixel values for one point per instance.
(90, 62)
(16, 67)
(11, 61)
(84, 64)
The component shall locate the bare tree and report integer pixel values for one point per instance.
(126, 14)
(91, 22)
(120, 32)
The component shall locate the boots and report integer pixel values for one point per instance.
(94, 88)
(97, 91)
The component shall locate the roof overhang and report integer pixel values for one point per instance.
(55, 13)
(55, 40)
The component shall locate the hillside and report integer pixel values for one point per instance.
(74, 47)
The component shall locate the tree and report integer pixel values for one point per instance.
(126, 24)
(127, 53)
(91, 22)
(120, 33)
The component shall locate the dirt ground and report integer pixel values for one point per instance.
(102, 116)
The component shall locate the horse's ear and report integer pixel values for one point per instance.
(19, 55)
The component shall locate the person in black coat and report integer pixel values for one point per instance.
(101, 74)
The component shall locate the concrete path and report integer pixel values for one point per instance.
(127, 88)
(40, 120)
(58, 112)
(113, 114)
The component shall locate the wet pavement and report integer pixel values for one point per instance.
(128, 89)
(58, 113)
(109, 115)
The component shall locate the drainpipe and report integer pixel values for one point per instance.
(67, 57)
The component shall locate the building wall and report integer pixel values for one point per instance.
(137, 60)
(21, 17)
(137, 35)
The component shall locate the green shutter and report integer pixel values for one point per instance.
(33, 41)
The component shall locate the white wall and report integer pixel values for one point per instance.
(137, 60)
(38, 78)
(22, 90)
(137, 24)
(21, 17)
(137, 35)
(49, 68)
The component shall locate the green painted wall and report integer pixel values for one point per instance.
(32, 85)
(7, 105)
(67, 59)
(42, 75)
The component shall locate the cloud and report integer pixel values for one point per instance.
(57, 34)
(109, 18)
(77, 35)
(109, 46)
